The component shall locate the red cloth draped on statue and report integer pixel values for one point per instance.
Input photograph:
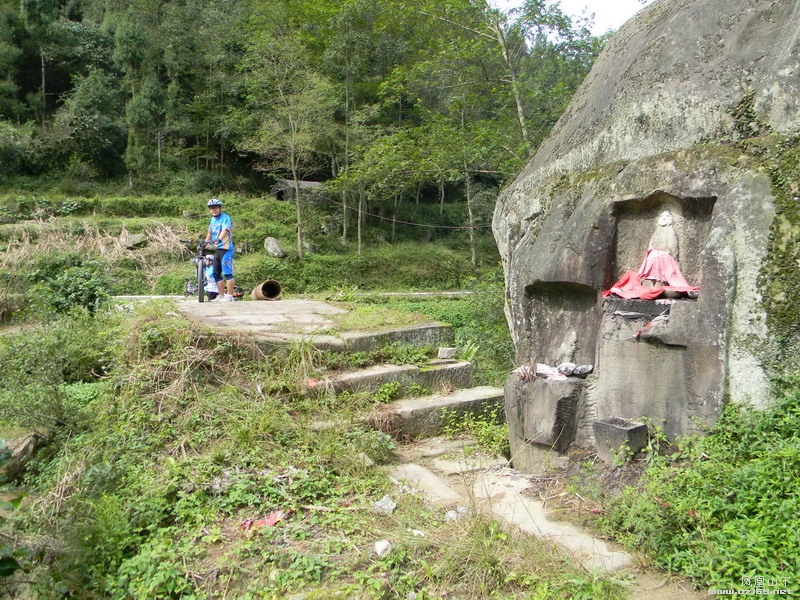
(658, 266)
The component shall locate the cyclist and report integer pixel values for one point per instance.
(220, 235)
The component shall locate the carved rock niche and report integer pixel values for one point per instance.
(646, 366)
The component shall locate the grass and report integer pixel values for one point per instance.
(185, 467)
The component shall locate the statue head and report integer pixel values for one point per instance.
(665, 218)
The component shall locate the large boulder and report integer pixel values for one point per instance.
(659, 124)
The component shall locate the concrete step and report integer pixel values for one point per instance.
(451, 477)
(421, 417)
(436, 376)
(454, 475)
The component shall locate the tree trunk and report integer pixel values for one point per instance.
(296, 182)
(472, 244)
(512, 73)
(345, 218)
(361, 199)
(394, 216)
(44, 95)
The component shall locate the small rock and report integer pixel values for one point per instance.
(384, 506)
(363, 460)
(137, 240)
(447, 352)
(456, 514)
(382, 547)
(566, 368)
(273, 248)
(561, 462)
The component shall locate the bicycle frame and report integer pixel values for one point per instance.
(198, 286)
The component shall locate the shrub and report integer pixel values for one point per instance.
(86, 286)
(50, 372)
(725, 508)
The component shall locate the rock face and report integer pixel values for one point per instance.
(656, 126)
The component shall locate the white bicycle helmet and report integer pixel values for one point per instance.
(214, 202)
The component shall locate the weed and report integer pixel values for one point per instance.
(377, 445)
(488, 427)
(468, 351)
(621, 456)
(301, 361)
(387, 392)
(722, 506)
(399, 353)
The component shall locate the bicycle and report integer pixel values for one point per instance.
(198, 285)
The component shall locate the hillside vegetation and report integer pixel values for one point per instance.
(177, 464)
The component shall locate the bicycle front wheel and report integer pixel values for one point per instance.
(201, 284)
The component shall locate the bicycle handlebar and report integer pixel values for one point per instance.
(201, 245)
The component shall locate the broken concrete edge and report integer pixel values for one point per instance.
(433, 334)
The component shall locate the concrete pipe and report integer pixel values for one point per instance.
(269, 290)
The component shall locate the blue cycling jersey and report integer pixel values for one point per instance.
(217, 225)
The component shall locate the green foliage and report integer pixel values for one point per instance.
(377, 445)
(156, 571)
(488, 428)
(9, 554)
(85, 286)
(399, 353)
(724, 507)
(476, 316)
(388, 392)
(402, 267)
(50, 374)
(197, 475)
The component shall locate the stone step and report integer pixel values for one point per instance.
(455, 477)
(422, 417)
(437, 375)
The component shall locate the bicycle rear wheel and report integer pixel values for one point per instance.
(201, 284)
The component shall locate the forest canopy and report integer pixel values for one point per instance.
(386, 94)
(387, 101)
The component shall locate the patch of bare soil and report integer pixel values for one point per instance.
(578, 491)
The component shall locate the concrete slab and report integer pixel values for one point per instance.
(468, 464)
(501, 493)
(281, 321)
(265, 318)
(434, 488)
(434, 447)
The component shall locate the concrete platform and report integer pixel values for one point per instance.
(279, 322)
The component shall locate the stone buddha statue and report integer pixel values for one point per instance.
(664, 237)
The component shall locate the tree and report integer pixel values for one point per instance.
(90, 119)
(287, 109)
(37, 16)
(10, 53)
